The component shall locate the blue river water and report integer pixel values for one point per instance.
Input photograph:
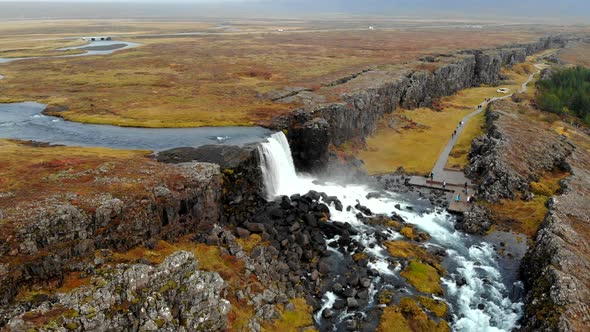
(25, 121)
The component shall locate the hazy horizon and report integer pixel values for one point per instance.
(567, 11)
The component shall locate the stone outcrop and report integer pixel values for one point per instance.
(500, 161)
(173, 296)
(365, 97)
(305, 131)
(476, 220)
(243, 188)
(58, 232)
(556, 270)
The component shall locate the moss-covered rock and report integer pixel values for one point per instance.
(408, 250)
(437, 307)
(423, 277)
(408, 316)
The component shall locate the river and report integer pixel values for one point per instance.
(25, 121)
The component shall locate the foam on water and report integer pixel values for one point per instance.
(474, 287)
(329, 299)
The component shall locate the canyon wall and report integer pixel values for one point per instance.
(556, 269)
(373, 93)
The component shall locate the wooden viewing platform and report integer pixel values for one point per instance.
(456, 188)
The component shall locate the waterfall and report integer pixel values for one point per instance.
(277, 165)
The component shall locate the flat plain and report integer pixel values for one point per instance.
(212, 79)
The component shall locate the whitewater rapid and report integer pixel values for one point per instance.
(474, 288)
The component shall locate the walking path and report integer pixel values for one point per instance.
(455, 180)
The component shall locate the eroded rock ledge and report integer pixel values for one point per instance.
(509, 157)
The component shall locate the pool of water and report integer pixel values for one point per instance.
(25, 121)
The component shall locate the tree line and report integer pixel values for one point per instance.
(567, 91)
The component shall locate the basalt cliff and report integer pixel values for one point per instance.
(362, 99)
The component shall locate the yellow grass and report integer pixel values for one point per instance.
(526, 216)
(416, 148)
(27, 48)
(459, 157)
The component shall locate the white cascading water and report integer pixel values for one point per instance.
(480, 302)
(277, 165)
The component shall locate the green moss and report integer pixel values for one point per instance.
(539, 188)
(438, 308)
(295, 320)
(72, 326)
(160, 322)
(423, 277)
(385, 297)
(168, 286)
(408, 232)
(408, 250)
(543, 308)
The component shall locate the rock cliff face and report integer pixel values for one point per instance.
(557, 268)
(47, 246)
(371, 94)
(174, 296)
(242, 189)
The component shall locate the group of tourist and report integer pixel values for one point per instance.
(456, 130)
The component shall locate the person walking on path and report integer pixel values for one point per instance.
(431, 176)
(458, 198)
(444, 184)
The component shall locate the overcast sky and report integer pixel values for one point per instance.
(562, 9)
